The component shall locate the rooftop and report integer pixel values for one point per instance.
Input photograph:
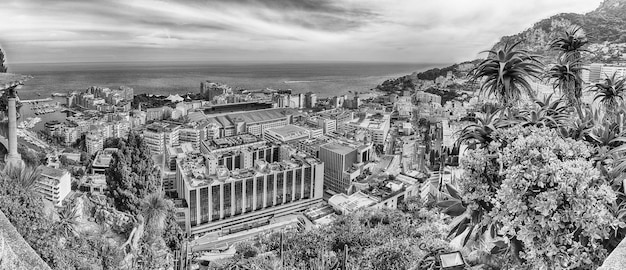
(251, 117)
(195, 173)
(232, 141)
(52, 172)
(371, 121)
(104, 157)
(348, 204)
(161, 126)
(338, 147)
(289, 132)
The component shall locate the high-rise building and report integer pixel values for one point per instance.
(310, 100)
(337, 158)
(94, 142)
(232, 201)
(158, 135)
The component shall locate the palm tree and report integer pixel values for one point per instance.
(506, 73)
(480, 131)
(68, 222)
(570, 44)
(570, 47)
(155, 208)
(610, 93)
(565, 76)
(25, 176)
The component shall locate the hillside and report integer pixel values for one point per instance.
(604, 27)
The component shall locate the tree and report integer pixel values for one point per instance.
(610, 93)
(68, 222)
(506, 73)
(31, 157)
(570, 44)
(480, 131)
(172, 234)
(565, 76)
(155, 209)
(132, 175)
(3, 68)
(567, 71)
(25, 209)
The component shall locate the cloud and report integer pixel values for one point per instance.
(265, 30)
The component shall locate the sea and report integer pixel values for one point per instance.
(165, 78)
(324, 79)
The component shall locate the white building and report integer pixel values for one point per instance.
(54, 184)
(285, 134)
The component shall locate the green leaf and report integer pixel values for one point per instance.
(455, 210)
(453, 192)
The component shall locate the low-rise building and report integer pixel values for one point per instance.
(288, 133)
(53, 184)
(102, 161)
(93, 183)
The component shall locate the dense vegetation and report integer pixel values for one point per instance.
(150, 101)
(50, 238)
(376, 239)
(404, 83)
(134, 186)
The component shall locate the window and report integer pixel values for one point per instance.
(227, 200)
(193, 205)
(307, 183)
(238, 197)
(215, 202)
(289, 187)
(229, 163)
(298, 184)
(238, 161)
(270, 191)
(260, 182)
(280, 181)
(249, 194)
(204, 205)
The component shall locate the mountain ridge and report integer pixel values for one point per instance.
(604, 27)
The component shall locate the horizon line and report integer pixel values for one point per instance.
(9, 63)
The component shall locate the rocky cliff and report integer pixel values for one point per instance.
(605, 28)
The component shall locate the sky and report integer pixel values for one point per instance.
(413, 31)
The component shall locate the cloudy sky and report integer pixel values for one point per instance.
(422, 31)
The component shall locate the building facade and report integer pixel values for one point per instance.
(230, 201)
(53, 185)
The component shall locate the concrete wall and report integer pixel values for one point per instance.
(617, 259)
(15, 253)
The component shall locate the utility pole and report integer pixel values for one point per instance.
(345, 257)
(282, 251)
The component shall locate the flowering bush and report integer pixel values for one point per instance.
(545, 195)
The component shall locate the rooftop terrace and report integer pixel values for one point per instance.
(232, 141)
(196, 173)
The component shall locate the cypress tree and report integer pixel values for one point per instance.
(3, 68)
